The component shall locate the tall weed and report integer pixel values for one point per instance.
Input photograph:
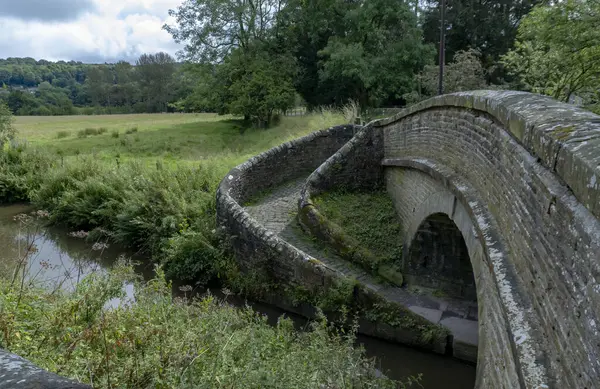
(188, 343)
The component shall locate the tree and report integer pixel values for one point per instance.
(54, 99)
(205, 85)
(464, 73)
(376, 59)
(98, 82)
(124, 91)
(305, 27)
(212, 29)
(558, 49)
(21, 103)
(488, 26)
(7, 131)
(260, 85)
(155, 77)
(235, 41)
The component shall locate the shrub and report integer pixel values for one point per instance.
(141, 207)
(7, 130)
(21, 172)
(186, 343)
(115, 133)
(63, 134)
(91, 132)
(131, 130)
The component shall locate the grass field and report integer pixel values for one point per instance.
(184, 138)
(145, 181)
(42, 128)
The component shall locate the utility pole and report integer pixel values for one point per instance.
(442, 46)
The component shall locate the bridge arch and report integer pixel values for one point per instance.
(519, 176)
(436, 254)
(527, 168)
(423, 189)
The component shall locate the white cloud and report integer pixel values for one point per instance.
(111, 30)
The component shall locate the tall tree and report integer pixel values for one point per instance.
(558, 49)
(250, 72)
(211, 29)
(488, 26)
(306, 26)
(261, 83)
(375, 60)
(155, 75)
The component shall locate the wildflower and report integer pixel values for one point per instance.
(99, 246)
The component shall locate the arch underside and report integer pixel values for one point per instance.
(534, 248)
(438, 258)
(417, 196)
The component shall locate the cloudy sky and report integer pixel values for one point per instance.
(93, 31)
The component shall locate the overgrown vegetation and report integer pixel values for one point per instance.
(369, 217)
(154, 192)
(157, 342)
(7, 129)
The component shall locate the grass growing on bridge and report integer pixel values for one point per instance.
(368, 217)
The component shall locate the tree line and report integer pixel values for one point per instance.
(256, 57)
(31, 87)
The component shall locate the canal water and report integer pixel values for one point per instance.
(59, 258)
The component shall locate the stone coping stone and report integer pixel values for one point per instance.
(565, 138)
(18, 373)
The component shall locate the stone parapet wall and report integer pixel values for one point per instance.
(258, 249)
(565, 139)
(533, 163)
(285, 162)
(254, 245)
(19, 373)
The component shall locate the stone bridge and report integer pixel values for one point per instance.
(498, 193)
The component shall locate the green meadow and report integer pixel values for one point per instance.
(173, 139)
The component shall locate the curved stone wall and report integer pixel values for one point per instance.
(258, 246)
(259, 249)
(531, 165)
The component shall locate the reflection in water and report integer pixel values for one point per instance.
(52, 257)
(59, 259)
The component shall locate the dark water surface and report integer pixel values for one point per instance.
(60, 260)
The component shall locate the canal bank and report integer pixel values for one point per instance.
(61, 255)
